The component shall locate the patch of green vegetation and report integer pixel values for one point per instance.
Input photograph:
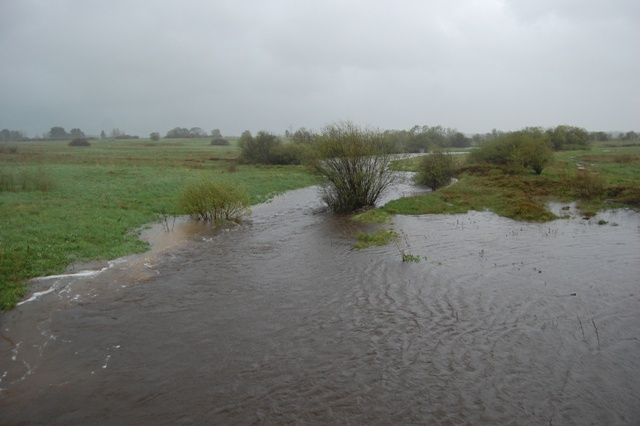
(100, 193)
(407, 257)
(379, 238)
(597, 178)
(481, 190)
(214, 201)
(372, 216)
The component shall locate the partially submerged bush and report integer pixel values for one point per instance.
(436, 170)
(80, 142)
(354, 164)
(214, 201)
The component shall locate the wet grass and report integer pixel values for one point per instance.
(607, 176)
(381, 237)
(372, 216)
(99, 195)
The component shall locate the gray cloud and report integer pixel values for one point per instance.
(144, 66)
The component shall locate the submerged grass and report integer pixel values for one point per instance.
(381, 237)
(372, 216)
(101, 194)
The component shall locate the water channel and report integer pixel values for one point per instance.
(280, 320)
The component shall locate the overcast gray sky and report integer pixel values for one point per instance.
(152, 65)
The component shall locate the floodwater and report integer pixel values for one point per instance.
(280, 321)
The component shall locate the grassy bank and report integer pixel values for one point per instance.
(61, 204)
(606, 176)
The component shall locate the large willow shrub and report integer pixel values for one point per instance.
(354, 165)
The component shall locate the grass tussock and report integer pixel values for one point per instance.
(381, 237)
(372, 216)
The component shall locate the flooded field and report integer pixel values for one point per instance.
(280, 321)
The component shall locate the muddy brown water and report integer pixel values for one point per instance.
(280, 321)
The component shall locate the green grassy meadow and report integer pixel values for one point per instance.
(61, 204)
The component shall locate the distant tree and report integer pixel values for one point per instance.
(7, 135)
(599, 136)
(302, 135)
(103, 135)
(197, 132)
(459, 140)
(528, 148)
(76, 133)
(256, 150)
(154, 136)
(568, 137)
(58, 133)
(216, 134)
(178, 133)
(630, 136)
(117, 134)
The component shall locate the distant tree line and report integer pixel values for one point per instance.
(194, 132)
(117, 134)
(417, 139)
(533, 143)
(7, 135)
(425, 139)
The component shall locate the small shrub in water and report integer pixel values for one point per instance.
(406, 257)
(214, 201)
